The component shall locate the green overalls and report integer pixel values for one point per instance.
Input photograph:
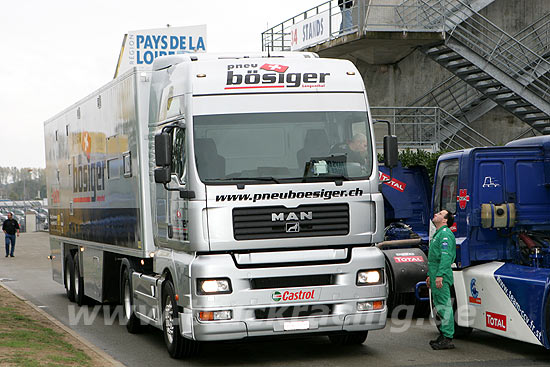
(442, 254)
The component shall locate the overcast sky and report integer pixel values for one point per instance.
(53, 53)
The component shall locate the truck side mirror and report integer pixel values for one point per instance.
(391, 152)
(163, 175)
(163, 150)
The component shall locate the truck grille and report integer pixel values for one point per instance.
(280, 222)
(293, 281)
(292, 311)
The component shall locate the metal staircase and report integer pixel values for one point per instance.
(501, 67)
(430, 128)
(431, 13)
(467, 103)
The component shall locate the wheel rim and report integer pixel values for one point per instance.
(127, 301)
(169, 320)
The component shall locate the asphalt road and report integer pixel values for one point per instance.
(29, 274)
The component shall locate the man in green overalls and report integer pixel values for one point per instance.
(440, 277)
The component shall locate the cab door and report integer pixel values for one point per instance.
(172, 211)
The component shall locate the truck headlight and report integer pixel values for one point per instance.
(213, 286)
(370, 277)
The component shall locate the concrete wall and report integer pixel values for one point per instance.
(401, 83)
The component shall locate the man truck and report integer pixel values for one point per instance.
(200, 195)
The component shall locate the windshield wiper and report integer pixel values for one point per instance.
(334, 177)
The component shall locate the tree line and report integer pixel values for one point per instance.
(25, 183)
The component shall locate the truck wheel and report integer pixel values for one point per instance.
(350, 338)
(177, 345)
(78, 282)
(69, 277)
(133, 324)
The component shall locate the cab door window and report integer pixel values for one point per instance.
(446, 186)
(178, 153)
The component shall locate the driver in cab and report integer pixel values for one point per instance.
(355, 150)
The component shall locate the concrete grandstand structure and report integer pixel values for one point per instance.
(446, 73)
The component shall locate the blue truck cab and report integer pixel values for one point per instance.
(501, 200)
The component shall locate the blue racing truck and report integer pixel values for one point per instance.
(407, 192)
(501, 200)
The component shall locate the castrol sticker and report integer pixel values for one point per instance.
(495, 321)
(408, 259)
(295, 295)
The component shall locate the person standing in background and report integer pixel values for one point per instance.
(10, 228)
(345, 9)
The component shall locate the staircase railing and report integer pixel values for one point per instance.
(502, 50)
(429, 128)
(366, 16)
(536, 36)
(456, 97)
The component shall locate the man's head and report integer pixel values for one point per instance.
(358, 143)
(442, 218)
(10, 215)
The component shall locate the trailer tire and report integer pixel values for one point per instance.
(177, 345)
(349, 338)
(69, 277)
(78, 282)
(133, 324)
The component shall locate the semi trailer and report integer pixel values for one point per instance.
(202, 196)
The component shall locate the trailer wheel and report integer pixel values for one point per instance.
(69, 277)
(350, 338)
(177, 345)
(133, 324)
(78, 282)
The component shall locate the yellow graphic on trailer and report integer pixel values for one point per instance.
(86, 144)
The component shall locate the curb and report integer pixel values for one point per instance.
(92, 347)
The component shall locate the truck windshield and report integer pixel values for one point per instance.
(283, 147)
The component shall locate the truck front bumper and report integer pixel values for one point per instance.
(231, 330)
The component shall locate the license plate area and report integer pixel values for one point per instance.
(296, 325)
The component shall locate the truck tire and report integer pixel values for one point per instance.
(78, 282)
(177, 345)
(69, 277)
(133, 324)
(349, 338)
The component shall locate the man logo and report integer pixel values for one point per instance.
(291, 216)
(292, 227)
